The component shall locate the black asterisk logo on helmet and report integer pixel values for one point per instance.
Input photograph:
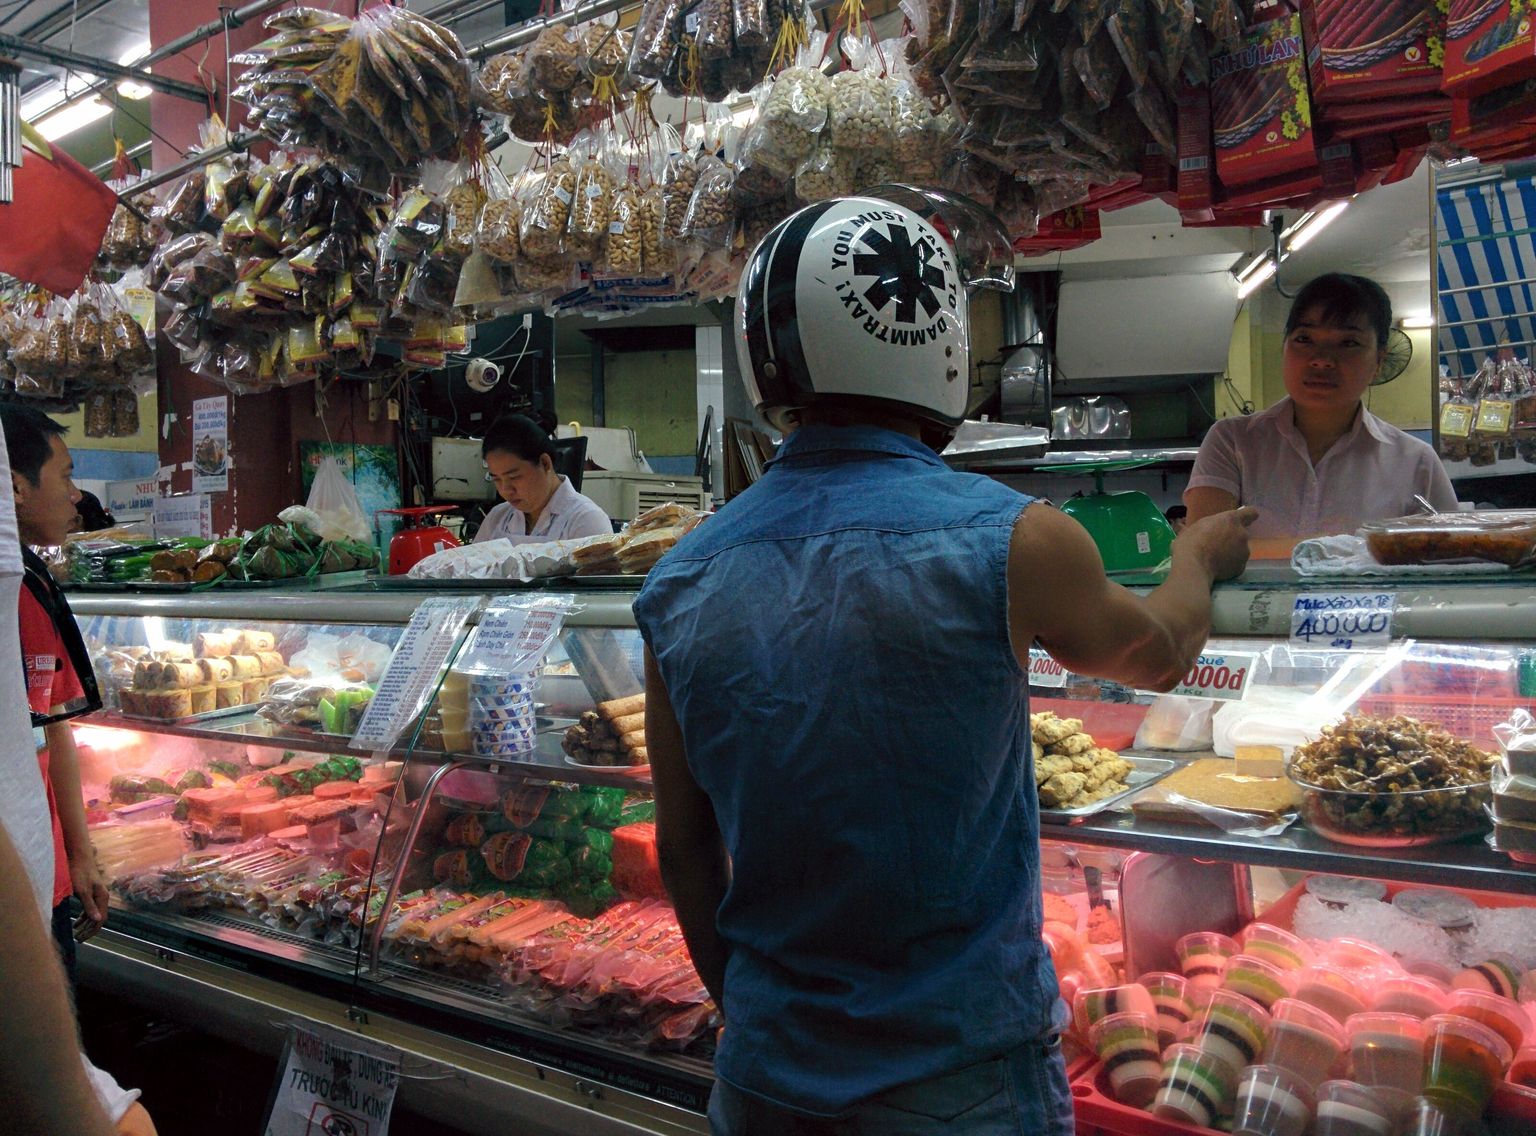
(904, 272)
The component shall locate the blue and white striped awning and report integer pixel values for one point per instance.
(1486, 270)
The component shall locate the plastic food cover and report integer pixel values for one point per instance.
(1503, 537)
(983, 249)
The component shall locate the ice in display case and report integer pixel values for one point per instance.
(499, 914)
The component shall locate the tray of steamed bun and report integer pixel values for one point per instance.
(219, 673)
(1351, 1008)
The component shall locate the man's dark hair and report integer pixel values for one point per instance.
(1338, 297)
(520, 435)
(93, 516)
(29, 435)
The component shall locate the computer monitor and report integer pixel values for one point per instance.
(571, 459)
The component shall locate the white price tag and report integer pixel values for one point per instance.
(1224, 677)
(333, 1084)
(418, 659)
(1044, 670)
(1343, 619)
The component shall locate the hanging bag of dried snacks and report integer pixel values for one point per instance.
(548, 209)
(795, 106)
(860, 111)
(711, 211)
(592, 203)
(554, 60)
(656, 37)
(496, 229)
(826, 173)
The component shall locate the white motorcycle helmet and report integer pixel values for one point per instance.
(866, 297)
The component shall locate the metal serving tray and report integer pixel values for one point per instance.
(1144, 771)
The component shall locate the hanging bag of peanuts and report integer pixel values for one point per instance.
(605, 51)
(554, 59)
(548, 209)
(711, 211)
(497, 81)
(657, 34)
(591, 206)
(496, 229)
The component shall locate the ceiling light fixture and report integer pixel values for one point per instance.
(1254, 275)
(1416, 321)
(1286, 241)
(1313, 222)
(73, 118)
(128, 88)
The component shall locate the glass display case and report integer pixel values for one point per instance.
(478, 884)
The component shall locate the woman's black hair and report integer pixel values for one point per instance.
(519, 435)
(1338, 297)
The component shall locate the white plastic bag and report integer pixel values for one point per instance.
(334, 501)
(1176, 722)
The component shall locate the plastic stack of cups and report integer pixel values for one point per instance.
(1203, 956)
(1171, 1000)
(1195, 1087)
(1089, 1006)
(1231, 1028)
(1505, 1017)
(1127, 1045)
(1387, 1054)
(1522, 1070)
(1347, 1109)
(502, 720)
(1330, 989)
(1409, 994)
(1254, 978)
(1276, 946)
(1304, 1040)
(1463, 1061)
(1497, 974)
(1426, 1118)
(1271, 1101)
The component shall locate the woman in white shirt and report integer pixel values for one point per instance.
(1318, 462)
(538, 504)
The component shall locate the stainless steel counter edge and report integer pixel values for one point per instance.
(598, 609)
(478, 1089)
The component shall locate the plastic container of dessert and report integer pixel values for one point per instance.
(1506, 536)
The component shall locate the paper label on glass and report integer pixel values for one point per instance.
(1223, 677)
(1044, 670)
(332, 1084)
(407, 682)
(512, 637)
(1343, 619)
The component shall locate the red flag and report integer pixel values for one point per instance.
(51, 231)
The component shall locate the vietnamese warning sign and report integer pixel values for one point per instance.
(332, 1084)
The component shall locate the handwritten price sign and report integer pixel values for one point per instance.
(1343, 619)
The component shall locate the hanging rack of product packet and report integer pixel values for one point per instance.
(239, 141)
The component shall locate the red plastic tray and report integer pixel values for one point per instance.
(1112, 724)
(1470, 716)
(1282, 913)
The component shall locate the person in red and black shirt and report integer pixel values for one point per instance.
(60, 683)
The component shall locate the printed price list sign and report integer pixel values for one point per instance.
(417, 661)
(1343, 619)
(511, 640)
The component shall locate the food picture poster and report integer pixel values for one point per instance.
(374, 472)
(210, 445)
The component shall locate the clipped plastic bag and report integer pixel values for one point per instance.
(547, 210)
(860, 107)
(657, 255)
(625, 248)
(794, 112)
(496, 228)
(711, 211)
(656, 38)
(752, 23)
(554, 59)
(679, 178)
(716, 35)
(592, 203)
(333, 500)
(497, 81)
(605, 52)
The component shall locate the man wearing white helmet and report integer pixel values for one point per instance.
(836, 701)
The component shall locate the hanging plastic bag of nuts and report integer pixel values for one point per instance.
(496, 80)
(626, 233)
(496, 229)
(716, 37)
(656, 37)
(752, 24)
(98, 414)
(592, 203)
(794, 108)
(711, 211)
(860, 114)
(678, 180)
(760, 174)
(657, 255)
(125, 414)
(826, 173)
(462, 200)
(548, 209)
(605, 49)
(554, 59)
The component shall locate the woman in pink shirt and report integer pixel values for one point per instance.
(1318, 462)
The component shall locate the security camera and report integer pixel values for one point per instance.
(482, 375)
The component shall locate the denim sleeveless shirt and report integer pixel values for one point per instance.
(835, 643)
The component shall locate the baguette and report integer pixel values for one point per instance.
(622, 707)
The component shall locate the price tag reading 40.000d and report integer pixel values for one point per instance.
(1343, 619)
(1223, 676)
